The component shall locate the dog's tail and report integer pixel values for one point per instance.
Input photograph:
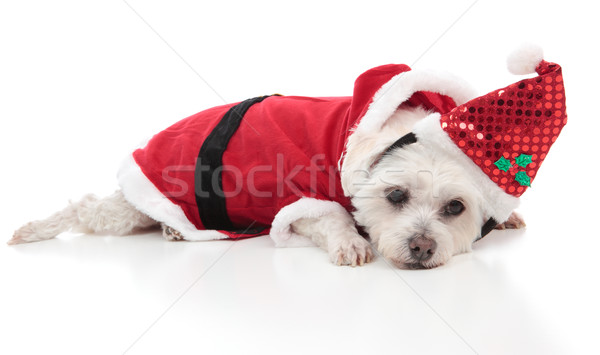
(112, 214)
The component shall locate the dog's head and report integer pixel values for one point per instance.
(418, 206)
(467, 166)
(420, 209)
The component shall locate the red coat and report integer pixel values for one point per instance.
(285, 148)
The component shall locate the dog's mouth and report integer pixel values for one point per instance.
(413, 265)
(405, 261)
(417, 266)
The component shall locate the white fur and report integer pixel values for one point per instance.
(524, 59)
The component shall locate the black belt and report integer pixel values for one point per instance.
(210, 199)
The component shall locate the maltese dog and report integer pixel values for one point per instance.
(413, 167)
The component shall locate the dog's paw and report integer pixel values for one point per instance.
(515, 221)
(171, 234)
(352, 251)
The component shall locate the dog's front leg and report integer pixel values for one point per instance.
(515, 221)
(336, 233)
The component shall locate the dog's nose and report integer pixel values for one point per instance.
(422, 248)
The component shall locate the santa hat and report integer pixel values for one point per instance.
(502, 138)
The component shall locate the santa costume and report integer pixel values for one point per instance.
(255, 167)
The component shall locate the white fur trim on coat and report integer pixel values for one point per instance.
(306, 207)
(144, 196)
(499, 204)
(402, 86)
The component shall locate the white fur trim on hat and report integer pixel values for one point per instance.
(499, 204)
(524, 59)
(402, 86)
(306, 207)
(144, 196)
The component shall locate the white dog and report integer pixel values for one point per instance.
(420, 195)
(409, 223)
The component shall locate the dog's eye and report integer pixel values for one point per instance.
(454, 208)
(397, 197)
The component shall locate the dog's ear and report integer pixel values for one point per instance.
(363, 151)
(367, 146)
(402, 142)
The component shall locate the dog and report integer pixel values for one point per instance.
(413, 205)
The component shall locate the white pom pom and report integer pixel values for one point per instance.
(525, 59)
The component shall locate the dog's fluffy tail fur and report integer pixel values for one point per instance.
(112, 214)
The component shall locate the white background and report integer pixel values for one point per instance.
(81, 83)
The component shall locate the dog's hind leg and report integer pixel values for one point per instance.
(171, 234)
(112, 214)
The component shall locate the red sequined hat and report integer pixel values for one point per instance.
(506, 134)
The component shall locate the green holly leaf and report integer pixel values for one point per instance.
(522, 178)
(523, 160)
(503, 164)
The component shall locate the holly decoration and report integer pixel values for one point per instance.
(503, 164)
(521, 161)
